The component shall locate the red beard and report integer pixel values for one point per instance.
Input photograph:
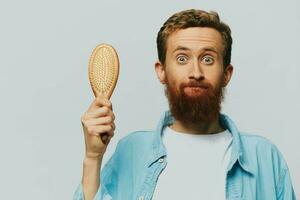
(194, 105)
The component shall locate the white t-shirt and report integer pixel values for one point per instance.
(196, 166)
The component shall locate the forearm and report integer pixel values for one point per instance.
(91, 177)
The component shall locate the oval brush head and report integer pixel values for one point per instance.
(103, 70)
(103, 73)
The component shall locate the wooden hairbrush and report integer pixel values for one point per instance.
(103, 73)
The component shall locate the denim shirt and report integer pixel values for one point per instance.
(256, 170)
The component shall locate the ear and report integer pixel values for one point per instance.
(160, 72)
(228, 73)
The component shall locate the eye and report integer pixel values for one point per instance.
(181, 59)
(208, 60)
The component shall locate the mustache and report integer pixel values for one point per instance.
(196, 84)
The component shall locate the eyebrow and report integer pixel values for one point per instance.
(187, 49)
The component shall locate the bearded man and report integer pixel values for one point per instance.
(196, 152)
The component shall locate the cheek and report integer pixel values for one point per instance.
(215, 78)
(175, 77)
(172, 82)
(216, 71)
(220, 79)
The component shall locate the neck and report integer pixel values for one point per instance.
(199, 128)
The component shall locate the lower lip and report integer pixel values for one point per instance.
(194, 90)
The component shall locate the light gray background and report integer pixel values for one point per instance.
(44, 49)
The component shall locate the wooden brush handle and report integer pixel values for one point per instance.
(104, 138)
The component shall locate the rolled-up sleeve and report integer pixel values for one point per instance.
(101, 194)
(285, 188)
(108, 182)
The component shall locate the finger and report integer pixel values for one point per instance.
(99, 112)
(109, 133)
(102, 101)
(107, 136)
(113, 126)
(100, 129)
(100, 121)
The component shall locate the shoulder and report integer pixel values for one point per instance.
(139, 135)
(256, 140)
(262, 150)
(267, 162)
(137, 142)
(142, 137)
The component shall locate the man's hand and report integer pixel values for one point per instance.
(97, 123)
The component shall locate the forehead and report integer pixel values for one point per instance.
(195, 38)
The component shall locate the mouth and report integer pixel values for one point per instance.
(194, 90)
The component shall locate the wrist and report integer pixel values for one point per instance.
(93, 156)
(92, 160)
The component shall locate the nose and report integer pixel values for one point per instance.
(196, 71)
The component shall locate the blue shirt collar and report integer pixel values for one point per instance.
(238, 154)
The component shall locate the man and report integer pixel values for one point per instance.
(196, 152)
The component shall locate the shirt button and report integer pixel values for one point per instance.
(161, 160)
(141, 198)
